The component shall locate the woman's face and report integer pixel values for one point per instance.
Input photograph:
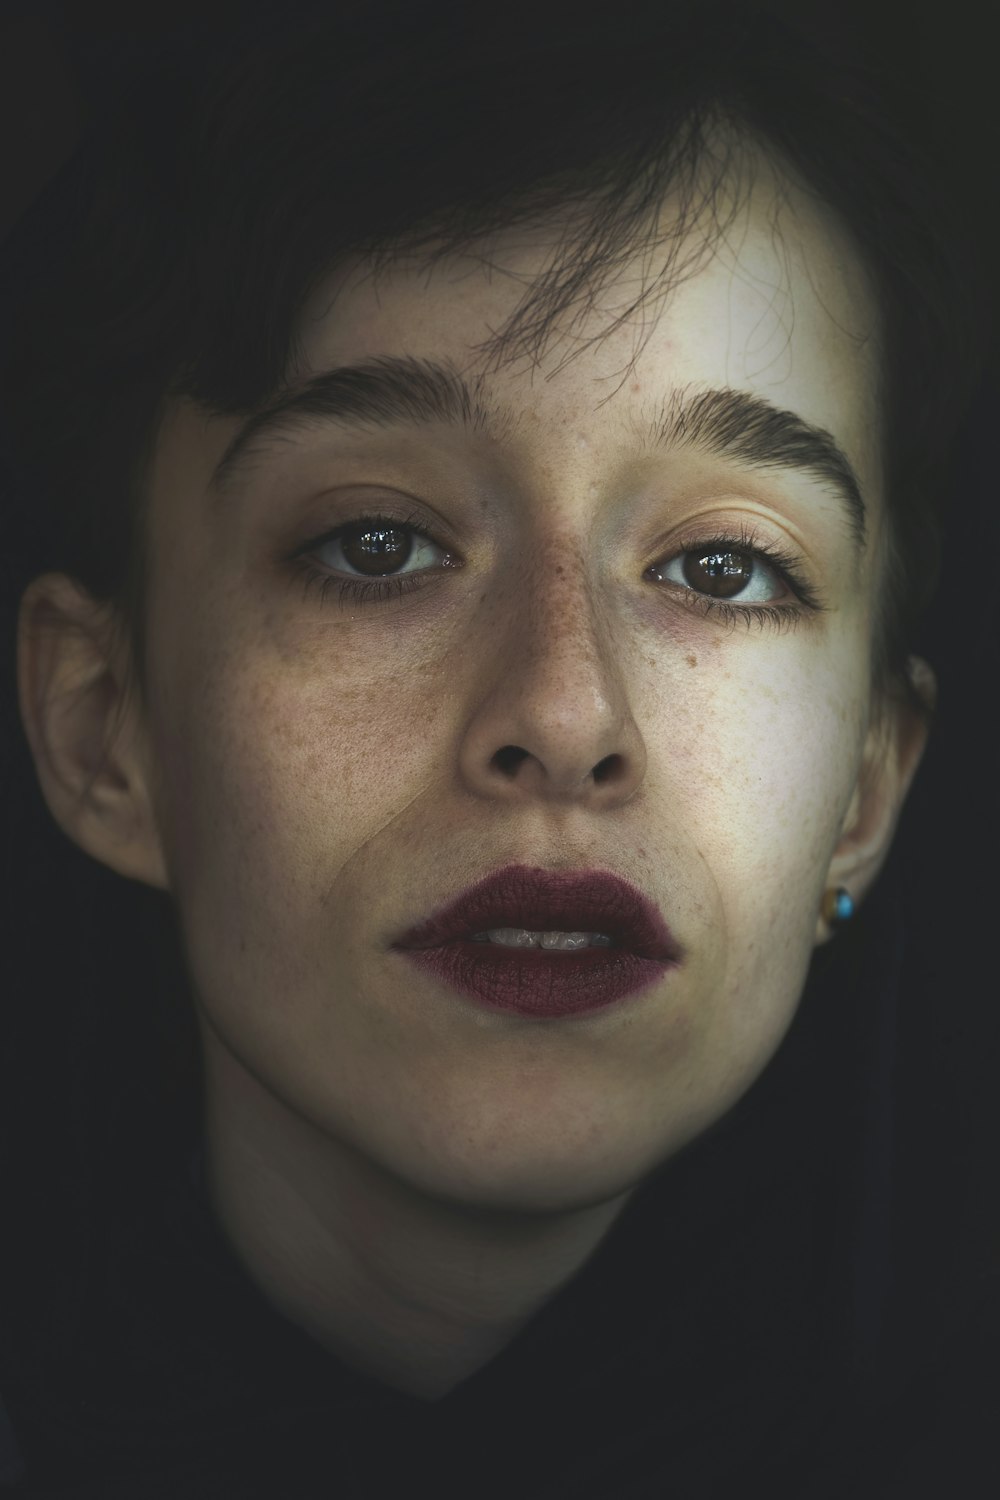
(325, 772)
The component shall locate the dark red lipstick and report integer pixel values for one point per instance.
(535, 981)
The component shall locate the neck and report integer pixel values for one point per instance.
(414, 1289)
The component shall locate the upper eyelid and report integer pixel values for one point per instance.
(742, 538)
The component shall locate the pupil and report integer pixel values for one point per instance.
(721, 574)
(378, 549)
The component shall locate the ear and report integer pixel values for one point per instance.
(88, 747)
(893, 751)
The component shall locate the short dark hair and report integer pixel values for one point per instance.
(173, 254)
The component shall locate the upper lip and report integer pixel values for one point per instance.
(550, 901)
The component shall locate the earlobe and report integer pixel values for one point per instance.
(84, 746)
(892, 753)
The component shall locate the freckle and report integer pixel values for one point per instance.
(692, 661)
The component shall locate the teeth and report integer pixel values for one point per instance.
(562, 942)
(568, 941)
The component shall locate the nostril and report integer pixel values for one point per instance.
(606, 768)
(509, 758)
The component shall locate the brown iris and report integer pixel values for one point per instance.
(721, 574)
(377, 549)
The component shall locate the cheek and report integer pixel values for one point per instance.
(270, 779)
(759, 766)
(787, 748)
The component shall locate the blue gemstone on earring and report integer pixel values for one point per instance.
(844, 907)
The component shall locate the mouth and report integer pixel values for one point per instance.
(545, 943)
(559, 911)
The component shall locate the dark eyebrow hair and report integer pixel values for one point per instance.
(380, 392)
(392, 390)
(752, 430)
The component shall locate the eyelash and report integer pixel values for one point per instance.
(381, 590)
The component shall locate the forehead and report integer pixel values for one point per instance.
(764, 292)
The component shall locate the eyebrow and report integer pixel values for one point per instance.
(395, 390)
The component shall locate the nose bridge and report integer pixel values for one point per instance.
(553, 718)
(560, 619)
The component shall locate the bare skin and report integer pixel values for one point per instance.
(404, 1175)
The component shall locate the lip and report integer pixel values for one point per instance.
(533, 981)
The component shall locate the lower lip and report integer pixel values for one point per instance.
(532, 982)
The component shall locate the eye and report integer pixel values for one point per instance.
(377, 546)
(368, 554)
(727, 569)
(374, 559)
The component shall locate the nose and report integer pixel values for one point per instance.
(552, 719)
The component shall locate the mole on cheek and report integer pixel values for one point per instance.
(692, 660)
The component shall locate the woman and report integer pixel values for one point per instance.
(476, 499)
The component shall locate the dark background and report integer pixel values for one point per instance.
(93, 1038)
(938, 57)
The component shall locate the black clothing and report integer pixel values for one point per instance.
(762, 1319)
